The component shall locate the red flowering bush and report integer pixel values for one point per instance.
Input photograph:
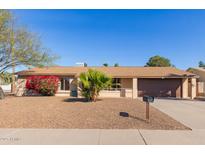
(44, 85)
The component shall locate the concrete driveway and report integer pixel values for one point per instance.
(190, 113)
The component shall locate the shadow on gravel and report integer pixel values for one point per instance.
(75, 100)
(125, 114)
(78, 100)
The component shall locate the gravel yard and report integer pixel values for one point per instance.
(62, 112)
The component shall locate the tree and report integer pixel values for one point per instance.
(18, 46)
(116, 65)
(105, 64)
(85, 65)
(93, 82)
(5, 78)
(201, 64)
(158, 61)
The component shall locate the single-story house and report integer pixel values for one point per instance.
(127, 81)
(200, 71)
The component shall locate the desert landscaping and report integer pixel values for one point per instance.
(63, 112)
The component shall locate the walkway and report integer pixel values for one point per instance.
(103, 137)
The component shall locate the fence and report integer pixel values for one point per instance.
(6, 88)
(116, 92)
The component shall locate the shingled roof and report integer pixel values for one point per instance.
(122, 72)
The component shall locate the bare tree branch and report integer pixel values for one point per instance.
(18, 46)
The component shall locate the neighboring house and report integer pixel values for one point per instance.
(6, 88)
(127, 81)
(200, 81)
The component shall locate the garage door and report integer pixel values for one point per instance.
(159, 87)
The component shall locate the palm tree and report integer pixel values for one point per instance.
(92, 83)
(5, 78)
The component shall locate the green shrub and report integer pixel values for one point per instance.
(93, 82)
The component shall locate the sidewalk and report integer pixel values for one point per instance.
(100, 136)
(69, 136)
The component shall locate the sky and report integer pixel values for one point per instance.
(126, 37)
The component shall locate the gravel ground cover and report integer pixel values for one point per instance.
(63, 112)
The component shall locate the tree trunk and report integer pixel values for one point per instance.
(2, 95)
(94, 97)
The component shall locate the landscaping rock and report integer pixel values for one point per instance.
(75, 113)
(31, 92)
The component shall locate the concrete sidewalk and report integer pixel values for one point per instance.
(70, 136)
(172, 137)
(100, 136)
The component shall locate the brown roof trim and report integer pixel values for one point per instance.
(59, 74)
(150, 77)
(117, 72)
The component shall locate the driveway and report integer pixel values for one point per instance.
(190, 113)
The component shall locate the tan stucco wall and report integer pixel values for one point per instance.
(201, 88)
(134, 88)
(193, 89)
(20, 86)
(126, 83)
(112, 94)
(63, 94)
(185, 88)
(200, 73)
(201, 81)
(128, 93)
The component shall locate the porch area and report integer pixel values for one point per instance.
(67, 86)
(185, 88)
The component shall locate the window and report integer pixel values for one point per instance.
(65, 84)
(116, 83)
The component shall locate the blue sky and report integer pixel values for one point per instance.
(127, 37)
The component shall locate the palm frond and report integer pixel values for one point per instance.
(93, 82)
